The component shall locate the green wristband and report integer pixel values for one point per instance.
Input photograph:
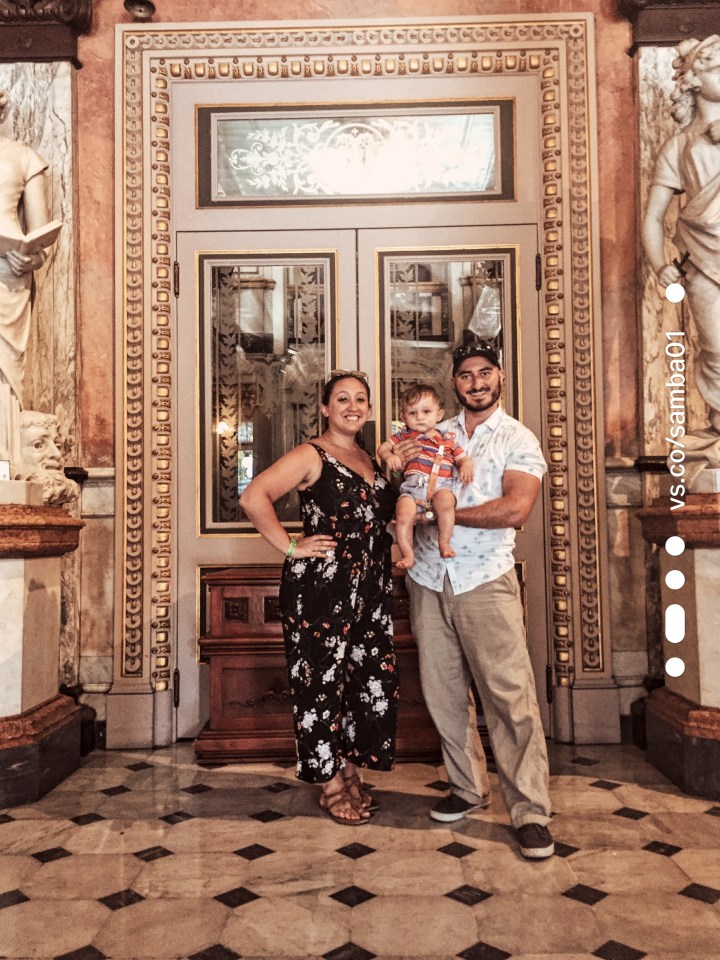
(291, 548)
(396, 473)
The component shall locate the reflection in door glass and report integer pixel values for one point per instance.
(435, 302)
(264, 328)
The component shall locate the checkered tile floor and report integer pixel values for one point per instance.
(146, 855)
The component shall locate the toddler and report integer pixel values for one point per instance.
(427, 479)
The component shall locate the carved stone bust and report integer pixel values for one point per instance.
(41, 458)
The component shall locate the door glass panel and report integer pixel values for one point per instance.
(433, 302)
(266, 327)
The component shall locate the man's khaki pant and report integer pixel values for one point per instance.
(481, 634)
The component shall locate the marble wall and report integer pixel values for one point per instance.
(95, 667)
(28, 633)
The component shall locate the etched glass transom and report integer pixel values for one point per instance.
(355, 155)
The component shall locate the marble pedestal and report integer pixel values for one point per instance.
(683, 718)
(39, 728)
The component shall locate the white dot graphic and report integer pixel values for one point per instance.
(675, 623)
(674, 579)
(675, 292)
(674, 546)
(675, 667)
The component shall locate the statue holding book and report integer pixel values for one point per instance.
(23, 211)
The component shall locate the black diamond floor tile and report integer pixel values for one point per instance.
(123, 898)
(153, 853)
(54, 853)
(267, 816)
(352, 896)
(605, 784)
(253, 852)
(564, 849)
(440, 785)
(665, 849)
(278, 787)
(137, 767)
(83, 819)
(483, 951)
(713, 811)
(612, 950)
(178, 817)
(115, 791)
(84, 953)
(468, 895)
(12, 898)
(456, 850)
(349, 951)
(585, 894)
(216, 952)
(698, 891)
(585, 761)
(630, 813)
(237, 897)
(196, 788)
(6, 818)
(355, 850)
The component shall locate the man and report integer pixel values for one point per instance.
(467, 616)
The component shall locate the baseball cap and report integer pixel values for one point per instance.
(478, 348)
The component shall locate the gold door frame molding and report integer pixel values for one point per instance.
(558, 50)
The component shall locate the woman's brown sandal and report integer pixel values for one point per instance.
(354, 786)
(330, 802)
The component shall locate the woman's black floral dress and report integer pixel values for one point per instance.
(338, 627)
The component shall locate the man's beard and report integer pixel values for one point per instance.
(478, 404)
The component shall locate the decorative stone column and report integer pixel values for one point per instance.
(39, 728)
(683, 717)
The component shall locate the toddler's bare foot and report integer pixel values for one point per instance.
(406, 561)
(446, 551)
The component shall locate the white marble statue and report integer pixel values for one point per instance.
(689, 164)
(41, 458)
(22, 194)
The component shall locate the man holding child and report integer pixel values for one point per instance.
(467, 616)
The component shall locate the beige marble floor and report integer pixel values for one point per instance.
(146, 855)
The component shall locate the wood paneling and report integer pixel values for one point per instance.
(250, 706)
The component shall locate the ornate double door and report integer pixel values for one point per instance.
(264, 315)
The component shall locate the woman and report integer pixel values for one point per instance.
(22, 186)
(335, 599)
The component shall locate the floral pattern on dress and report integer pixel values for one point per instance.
(337, 624)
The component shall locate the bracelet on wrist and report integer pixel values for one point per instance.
(396, 474)
(291, 548)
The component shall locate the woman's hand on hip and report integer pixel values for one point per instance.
(319, 545)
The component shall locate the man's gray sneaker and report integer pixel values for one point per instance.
(536, 842)
(452, 807)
